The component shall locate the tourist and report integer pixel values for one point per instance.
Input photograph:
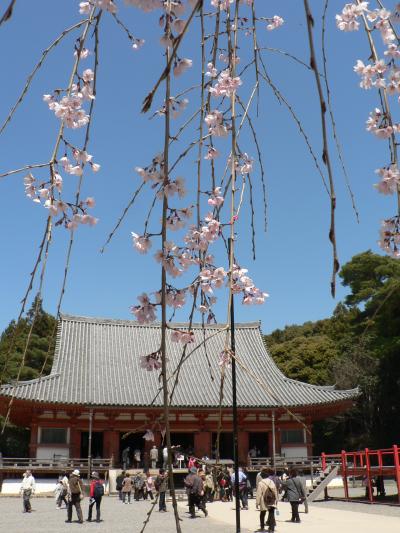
(253, 452)
(149, 486)
(96, 492)
(195, 491)
(294, 493)
(154, 457)
(75, 496)
(28, 487)
(126, 458)
(60, 493)
(139, 485)
(165, 457)
(126, 489)
(209, 488)
(137, 457)
(242, 488)
(267, 499)
(65, 489)
(161, 485)
(119, 482)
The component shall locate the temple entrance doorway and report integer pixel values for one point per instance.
(97, 444)
(259, 441)
(225, 445)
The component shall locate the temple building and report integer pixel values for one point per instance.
(97, 383)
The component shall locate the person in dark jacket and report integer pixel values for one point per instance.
(295, 493)
(195, 491)
(75, 496)
(161, 485)
(119, 482)
(96, 492)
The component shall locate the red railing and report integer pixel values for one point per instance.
(369, 464)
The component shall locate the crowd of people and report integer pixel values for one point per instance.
(203, 485)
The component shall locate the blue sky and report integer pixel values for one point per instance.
(293, 261)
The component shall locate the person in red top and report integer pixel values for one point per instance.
(96, 493)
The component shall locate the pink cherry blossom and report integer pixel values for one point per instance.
(226, 85)
(216, 199)
(215, 123)
(390, 180)
(181, 66)
(348, 19)
(275, 22)
(145, 312)
(141, 242)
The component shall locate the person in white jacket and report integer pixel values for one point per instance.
(267, 499)
(27, 490)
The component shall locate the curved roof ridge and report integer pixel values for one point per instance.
(13, 384)
(130, 322)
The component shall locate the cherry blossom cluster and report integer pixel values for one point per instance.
(151, 362)
(145, 312)
(201, 238)
(226, 85)
(384, 75)
(107, 5)
(225, 358)
(184, 337)
(241, 283)
(176, 107)
(275, 22)
(69, 108)
(216, 125)
(223, 5)
(390, 179)
(390, 236)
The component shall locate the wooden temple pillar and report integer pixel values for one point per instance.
(33, 439)
(243, 444)
(202, 444)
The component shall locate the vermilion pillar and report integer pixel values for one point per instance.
(202, 444)
(33, 440)
(243, 441)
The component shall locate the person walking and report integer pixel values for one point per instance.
(119, 482)
(126, 458)
(139, 482)
(154, 457)
(96, 492)
(161, 485)
(242, 488)
(27, 490)
(126, 489)
(137, 456)
(267, 499)
(149, 486)
(209, 488)
(304, 483)
(64, 490)
(195, 491)
(165, 457)
(75, 496)
(295, 493)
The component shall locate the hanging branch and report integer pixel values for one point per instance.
(163, 348)
(325, 152)
(37, 304)
(36, 68)
(22, 169)
(149, 98)
(333, 122)
(8, 12)
(77, 195)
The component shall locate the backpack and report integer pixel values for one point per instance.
(98, 490)
(269, 496)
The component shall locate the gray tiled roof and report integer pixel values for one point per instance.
(97, 363)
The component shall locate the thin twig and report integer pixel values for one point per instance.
(36, 68)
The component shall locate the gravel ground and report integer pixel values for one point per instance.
(118, 518)
(386, 510)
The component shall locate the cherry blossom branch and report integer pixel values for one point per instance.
(77, 196)
(24, 301)
(36, 310)
(36, 68)
(149, 98)
(333, 122)
(121, 218)
(282, 98)
(325, 151)
(163, 348)
(22, 169)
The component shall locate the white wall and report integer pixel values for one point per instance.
(48, 452)
(294, 451)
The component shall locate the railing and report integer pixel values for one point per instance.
(20, 463)
(369, 464)
(282, 462)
